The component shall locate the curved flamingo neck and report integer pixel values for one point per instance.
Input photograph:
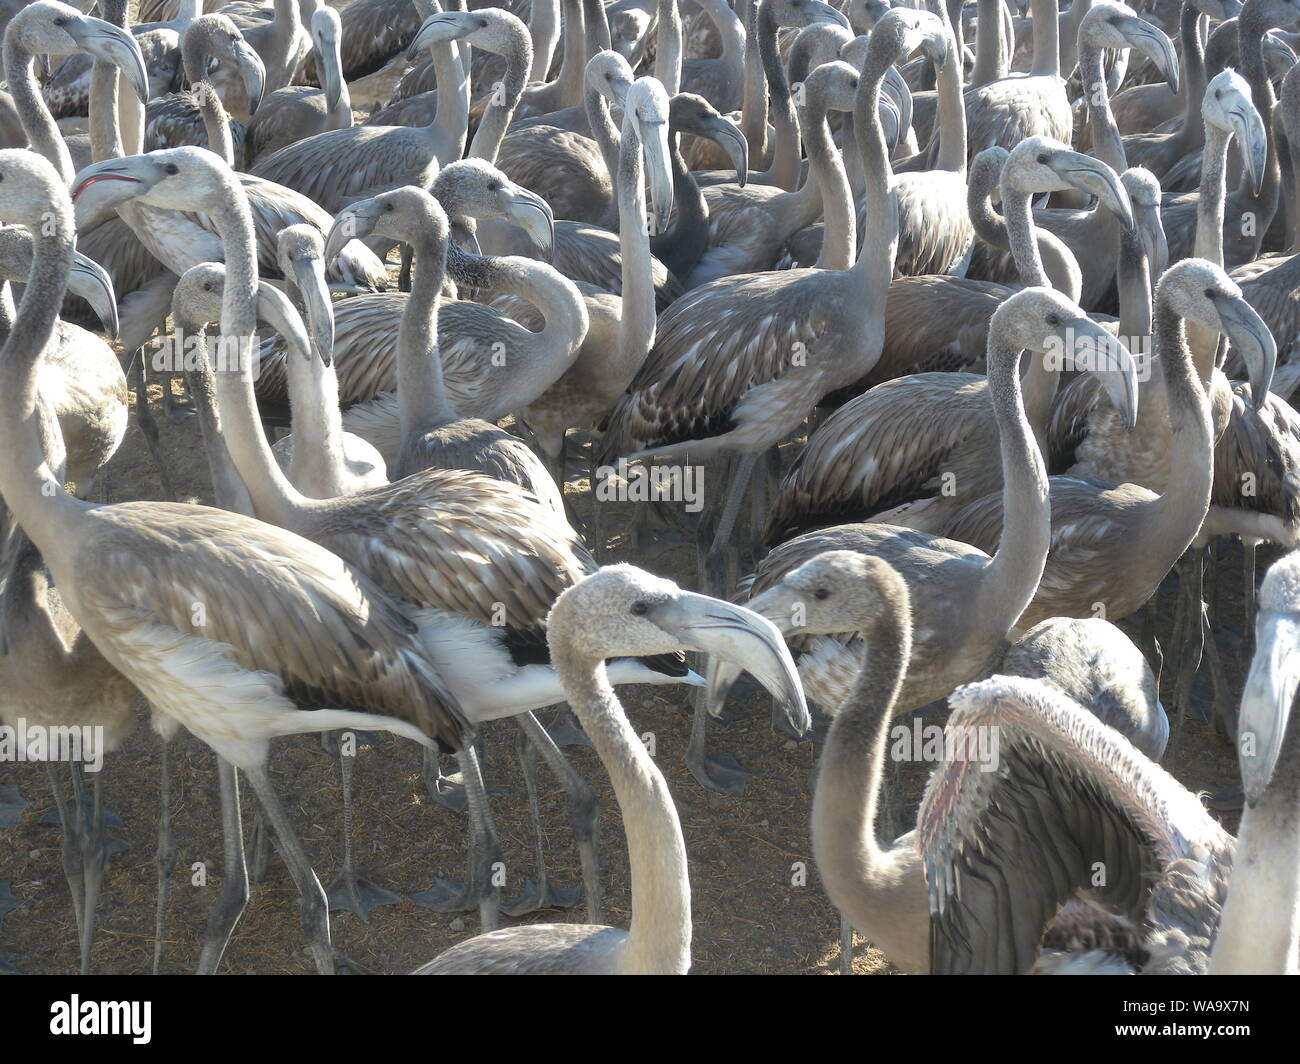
(659, 934)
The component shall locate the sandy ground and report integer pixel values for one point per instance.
(752, 912)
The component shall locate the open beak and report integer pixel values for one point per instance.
(274, 308)
(740, 638)
(727, 136)
(1266, 700)
(1153, 43)
(654, 137)
(436, 29)
(1096, 350)
(105, 41)
(252, 70)
(354, 222)
(313, 287)
(1246, 331)
(101, 187)
(1097, 179)
(1248, 128)
(89, 280)
(533, 215)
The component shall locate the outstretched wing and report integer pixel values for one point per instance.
(1069, 806)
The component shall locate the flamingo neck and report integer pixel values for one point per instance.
(421, 394)
(450, 125)
(30, 488)
(668, 46)
(1047, 47)
(38, 123)
(216, 124)
(991, 55)
(784, 171)
(1015, 569)
(1177, 514)
(840, 239)
(573, 64)
(1106, 142)
(681, 247)
(505, 98)
(275, 499)
(1190, 23)
(1259, 929)
(1252, 24)
(544, 29)
(951, 126)
(753, 114)
(636, 323)
(875, 266)
(228, 489)
(659, 935)
(857, 872)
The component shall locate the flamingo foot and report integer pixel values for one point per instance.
(358, 895)
(720, 772)
(534, 897)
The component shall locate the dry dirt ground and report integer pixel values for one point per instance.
(749, 913)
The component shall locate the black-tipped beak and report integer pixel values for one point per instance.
(105, 41)
(1248, 333)
(274, 308)
(313, 287)
(727, 136)
(1094, 349)
(741, 638)
(1266, 700)
(351, 223)
(533, 215)
(89, 280)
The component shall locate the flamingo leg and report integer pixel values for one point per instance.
(148, 424)
(233, 899)
(718, 573)
(314, 907)
(447, 791)
(482, 888)
(718, 772)
(94, 859)
(71, 852)
(536, 894)
(165, 856)
(350, 891)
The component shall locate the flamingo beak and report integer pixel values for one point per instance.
(313, 288)
(739, 638)
(1248, 333)
(1266, 700)
(105, 41)
(89, 280)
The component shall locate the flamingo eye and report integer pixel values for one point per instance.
(822, 593)
(171, 168)
(640, 608)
